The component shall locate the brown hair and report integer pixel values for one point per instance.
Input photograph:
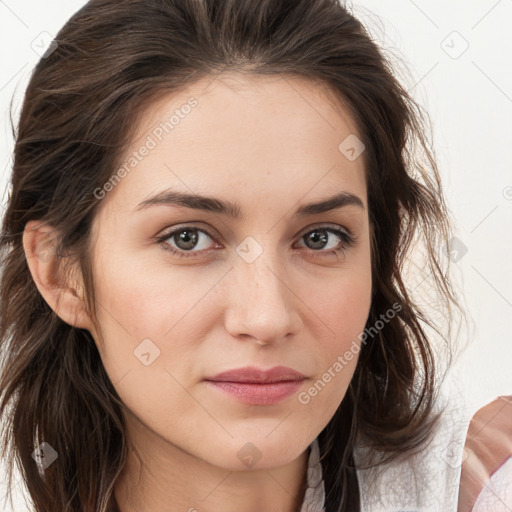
(80, 112)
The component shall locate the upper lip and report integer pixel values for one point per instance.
(252, 374)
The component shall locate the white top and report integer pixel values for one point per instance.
(424, 482)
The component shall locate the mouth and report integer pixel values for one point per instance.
(252, 393)
(253, 375)
(254, 386)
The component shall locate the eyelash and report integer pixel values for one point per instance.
(348, 241)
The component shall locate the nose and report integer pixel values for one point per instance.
(263, 304)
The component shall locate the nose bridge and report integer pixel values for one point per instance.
(263, 279)
(262, 304)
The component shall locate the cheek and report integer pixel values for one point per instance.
(141, 308)
(344, 304)
(147, 298)
(151, 330)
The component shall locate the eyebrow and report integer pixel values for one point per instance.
(234, 210)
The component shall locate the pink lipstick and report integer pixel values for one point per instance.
(253, 386)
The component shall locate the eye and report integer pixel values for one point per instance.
(183, 239)
(318, 238)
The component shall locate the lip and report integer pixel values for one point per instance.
(253, 386)
(253, 375)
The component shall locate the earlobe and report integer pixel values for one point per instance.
(50, 275)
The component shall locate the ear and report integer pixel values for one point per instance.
(59, 282)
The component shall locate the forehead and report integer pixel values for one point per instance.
(272, 135)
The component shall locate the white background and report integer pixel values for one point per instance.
(469, 98)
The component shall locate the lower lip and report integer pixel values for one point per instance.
(258, 394)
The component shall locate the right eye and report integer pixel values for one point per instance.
(185, 238)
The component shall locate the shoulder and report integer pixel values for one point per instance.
(487, 467)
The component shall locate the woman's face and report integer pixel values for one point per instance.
(262, 288)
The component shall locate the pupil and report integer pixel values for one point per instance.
(322, 238)
(189, 240)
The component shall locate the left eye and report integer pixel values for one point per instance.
(187, 238)
(321, 236)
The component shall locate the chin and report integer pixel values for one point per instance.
(260, 452)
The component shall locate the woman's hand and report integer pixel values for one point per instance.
(488, 446)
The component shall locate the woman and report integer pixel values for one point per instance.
(204, 304)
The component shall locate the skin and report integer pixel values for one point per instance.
(271, 145)
(488, 446)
